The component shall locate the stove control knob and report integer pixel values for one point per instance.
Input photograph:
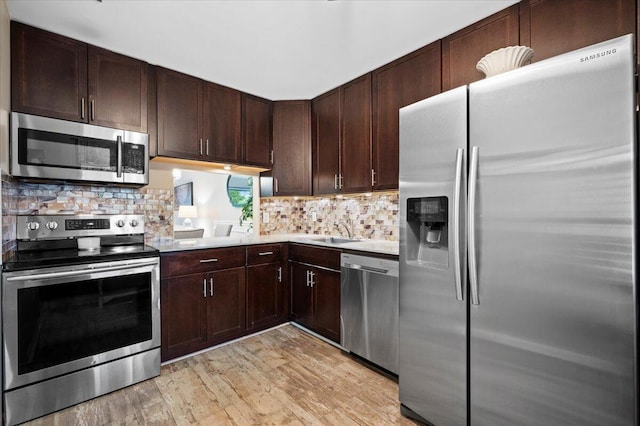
(133, 223)
(33, 226)
(52, 225)
(120, 223)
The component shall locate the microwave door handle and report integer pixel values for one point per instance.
(119, 169)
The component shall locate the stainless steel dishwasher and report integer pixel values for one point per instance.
(369, 309)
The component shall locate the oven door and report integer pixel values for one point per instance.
(63, 319)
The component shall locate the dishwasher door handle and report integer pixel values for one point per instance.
(368, 268)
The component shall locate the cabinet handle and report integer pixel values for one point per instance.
(211, 286)
(279, 274)
(93, 110)
(308, 278)
(200, 146)
(275, 184)
(373, 177)
(271, 157)
(204, 288)
(340, 181)
(206, 146)
(335, 181)
(265, 253)
(311, 275)
(82, 108)
(208, 260)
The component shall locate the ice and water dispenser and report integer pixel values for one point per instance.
(428, 231)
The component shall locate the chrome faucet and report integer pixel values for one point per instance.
(348, 228)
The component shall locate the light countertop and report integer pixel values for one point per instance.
(373, 246)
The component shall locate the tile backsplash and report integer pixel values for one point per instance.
(374, 216)
(20, 198)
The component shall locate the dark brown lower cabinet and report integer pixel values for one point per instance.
(266, 286)
(226, 305)
(315, 299)
(301, 301)
(201, 310)
(184, 315)
(266, 295)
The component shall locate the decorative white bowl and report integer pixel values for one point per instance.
(504, 59)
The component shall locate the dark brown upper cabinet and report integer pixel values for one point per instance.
(326, 143)
(256, 131)
(179, 108)
(553, 27)
(462, 50)
(221, 123)
(291, 148)
(404, 81)
(152, 111)
(58, 77)
(197, 120)
(117, 90)
(355, 155)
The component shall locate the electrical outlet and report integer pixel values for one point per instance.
(265, 217)
(314, 216)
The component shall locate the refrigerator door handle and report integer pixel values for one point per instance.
(471, 226)
(457, 267)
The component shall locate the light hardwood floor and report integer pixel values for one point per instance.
(282, 377)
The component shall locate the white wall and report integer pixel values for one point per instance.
(210, 197)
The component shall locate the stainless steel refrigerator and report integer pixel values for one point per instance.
(518, 291)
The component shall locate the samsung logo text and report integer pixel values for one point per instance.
(598, 55)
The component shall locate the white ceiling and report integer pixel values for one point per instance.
(275, 49)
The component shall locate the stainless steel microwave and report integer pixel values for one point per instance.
(47, 148)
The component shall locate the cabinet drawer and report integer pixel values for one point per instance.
(193, 261)
(267, 253)
(323, 257)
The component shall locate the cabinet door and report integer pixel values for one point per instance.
(226, 304)
(221, 121)
(48, 74)
(265, 296)
(326, 142)
(292, 148)
(184, 315)
(301, 308)
(356, 135)
(256, 131)
(117, 91)
(179, 106)
(553, 27)
(407, 80)
(462, 50)
(326, 303)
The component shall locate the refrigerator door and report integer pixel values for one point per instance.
(433, 313)
(552, 340)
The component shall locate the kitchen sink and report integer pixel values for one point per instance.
(333, 240)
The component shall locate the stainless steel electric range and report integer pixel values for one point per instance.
(77, 323)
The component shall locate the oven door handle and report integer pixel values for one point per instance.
(85, 271)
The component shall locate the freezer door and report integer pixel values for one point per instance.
(552, 340)
(433, 313)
